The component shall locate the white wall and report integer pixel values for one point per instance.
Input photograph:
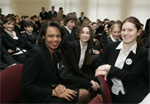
(93, 9)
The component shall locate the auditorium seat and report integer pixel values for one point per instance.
(10, 84)
(105, 90)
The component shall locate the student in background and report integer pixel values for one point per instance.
(125, 62)
(34, 19)
(6, 59)
(29, 35)
(52, 14)
(13, 41)
(78, 59)
(17, 26)
(60, 14)
(114, 33)
(43, 14)
(40, 79)
(70, 30)
(82, 17)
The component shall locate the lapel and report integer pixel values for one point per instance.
(51, 63)
(77, 49)
(133, 57)
(8, 36)
(113, 55)
(69, 36)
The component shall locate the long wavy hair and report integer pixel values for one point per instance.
(88, 56)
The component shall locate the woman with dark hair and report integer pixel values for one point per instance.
(125, 63)
(13, 42)
(78, 57)
(40, 78)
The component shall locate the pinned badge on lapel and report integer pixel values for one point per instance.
(128, 61)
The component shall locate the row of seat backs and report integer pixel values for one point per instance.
(105, 93)
(10, 84)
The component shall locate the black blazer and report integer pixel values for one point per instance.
(30, 39)
(11, 43)
(39, 76)
(68, 38)
(130, 75)
(5, 58)
(72, 56)
(43, 15)
(50, 15)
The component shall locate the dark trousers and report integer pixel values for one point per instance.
(119, 99)
(76, 82)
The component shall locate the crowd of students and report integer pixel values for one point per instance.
(62, 55)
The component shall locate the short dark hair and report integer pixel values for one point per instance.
(28, 23)
(70, 16)
(82, 12)
(60, 8)
(8, 19)
(34, 16)
(43, 29)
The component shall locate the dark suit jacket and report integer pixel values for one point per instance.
(68, 38)
(39, 76)
(131, 75)
(31, 39)
(43, 15)
(11, 43)
(72, 56)
(5, 58)
(82, 20)
(50, 15)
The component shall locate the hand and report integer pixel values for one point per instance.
(102, 72)
(60, 89)
(104, 67)
(68, 94)
(13, 34)
(95, 85)
(96, 52)
(10, 51)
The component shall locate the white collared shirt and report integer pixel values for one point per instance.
(82, 54)
(68, 29)
(29, 33)
(117, 83)
(16, 38)
(114, 40)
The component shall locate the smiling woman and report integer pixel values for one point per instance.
(52, 38)
(126, 64)
(40, 79)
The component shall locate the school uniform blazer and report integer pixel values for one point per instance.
(130, 75)
(11, 43)
(39, 76)
(68, 38)
(30, 39)
(5, 58)
(72, 56)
